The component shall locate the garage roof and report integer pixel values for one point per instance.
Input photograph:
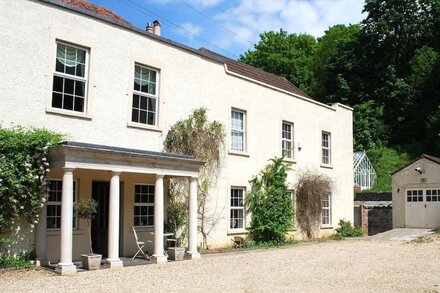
(423, 156)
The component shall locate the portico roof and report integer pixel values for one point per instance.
(71, 154)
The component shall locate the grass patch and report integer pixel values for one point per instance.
(21, 260)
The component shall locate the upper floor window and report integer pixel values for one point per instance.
(326, 210)
(287, 140)
(238, 130)
(326, 148)
(143, 205)
(69, 90)
(53, 218)
(145, 96)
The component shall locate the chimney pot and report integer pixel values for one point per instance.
(156, 25)
(149, 28)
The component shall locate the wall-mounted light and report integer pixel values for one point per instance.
(419, 170)
(299, 146)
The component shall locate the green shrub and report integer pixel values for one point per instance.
(21, 260)
(270, 203)
(346, 229)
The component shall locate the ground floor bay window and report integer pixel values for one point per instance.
(130, 187)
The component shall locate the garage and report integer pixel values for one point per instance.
(416, 194)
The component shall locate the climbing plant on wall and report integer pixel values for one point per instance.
(23, 170)
(198, 137)
(310, 189)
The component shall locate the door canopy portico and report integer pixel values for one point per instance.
(78, 155)
(70, 155)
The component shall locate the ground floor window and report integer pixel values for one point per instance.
(237, 208)
(54, 204)
(143, 205)
(326, 210)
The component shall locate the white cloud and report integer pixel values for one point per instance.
(248, 18)
(204, 3)
(190, 29)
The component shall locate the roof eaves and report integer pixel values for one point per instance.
(423, 156)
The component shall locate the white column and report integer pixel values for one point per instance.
(192, 238)
(40, 241)
(158, 256)
(113, 222)
(66, 266)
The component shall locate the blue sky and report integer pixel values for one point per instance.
(231, 27)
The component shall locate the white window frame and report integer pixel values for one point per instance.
(288, 152)
(84, 79)
(327, 148)
(239, 131)
(328, 198)
(231, 208)
(58, 203)
(142, 204)
(145, 95)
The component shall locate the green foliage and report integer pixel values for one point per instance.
(23, 171)
(386, 161)
(86, 208)
(346, 229)
(21, 260)
(310, 189)
(176, 219)
(270, 203)
(198, 137)
(370, 131)
(284, 54)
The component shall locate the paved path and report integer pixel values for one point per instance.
(403, 234)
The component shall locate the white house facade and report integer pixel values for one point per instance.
(115, 91)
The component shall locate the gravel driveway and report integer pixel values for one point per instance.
(360, 265)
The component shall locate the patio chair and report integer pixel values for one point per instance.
(172, 242)
(140, 245)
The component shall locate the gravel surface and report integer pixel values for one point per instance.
(360, 265)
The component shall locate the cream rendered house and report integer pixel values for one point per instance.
(115, 90)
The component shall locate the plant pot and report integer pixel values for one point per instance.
(91, 262)
(176, 253)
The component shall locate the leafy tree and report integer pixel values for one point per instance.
(283, 54)
(370, 130)
(270, 204)
(198, 137)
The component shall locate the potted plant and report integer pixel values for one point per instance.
(86, 209)
(176, 221)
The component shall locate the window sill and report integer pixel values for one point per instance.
(326, 166)
(237, 231)
(57, 232)
(326, 227)
(62, 112)
(238, 153)
(291, 161)
(143, 126)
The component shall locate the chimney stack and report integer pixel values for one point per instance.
(156, 25)
(149, 28)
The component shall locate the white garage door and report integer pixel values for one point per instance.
(422, 209)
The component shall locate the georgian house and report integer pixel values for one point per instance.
(115, 90)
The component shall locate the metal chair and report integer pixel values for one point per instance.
(140, 245)
(176, 236)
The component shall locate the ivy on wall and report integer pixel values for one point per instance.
(23, 171)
